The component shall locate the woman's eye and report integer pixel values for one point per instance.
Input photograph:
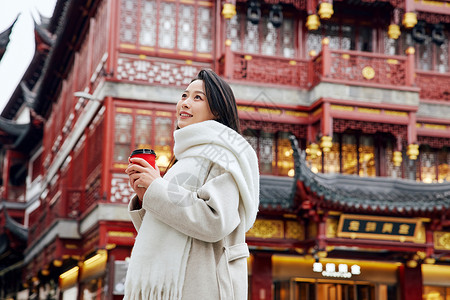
(183, 95)
(198, 97)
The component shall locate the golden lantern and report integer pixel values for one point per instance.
(394, 31)
(409, 20)
(229, 10)
(325, 143)
(325, 10)
(397, 158)
(412, 151)
(411, 263)
(312, 22)
(313, 150)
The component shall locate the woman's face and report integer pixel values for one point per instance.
(193, 106)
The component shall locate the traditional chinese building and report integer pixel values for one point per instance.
(345, 102)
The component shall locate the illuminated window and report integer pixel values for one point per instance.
(274, 151)
(433, 165)
(352, 154)
(143, 128)
(122, 137)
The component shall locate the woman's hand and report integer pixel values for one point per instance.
(141, 175)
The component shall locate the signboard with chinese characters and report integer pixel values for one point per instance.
(382, 228)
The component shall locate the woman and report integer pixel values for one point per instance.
(191, 223)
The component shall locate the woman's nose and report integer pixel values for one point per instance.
(186, 104)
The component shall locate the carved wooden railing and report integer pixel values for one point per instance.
(264, 69)
(363, 68)
(433, 85)
(338, 66)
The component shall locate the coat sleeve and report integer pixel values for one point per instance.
(136, 212)
(208, 214)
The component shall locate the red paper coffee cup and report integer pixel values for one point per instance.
(148, 154)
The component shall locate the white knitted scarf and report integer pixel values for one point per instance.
(159, 257)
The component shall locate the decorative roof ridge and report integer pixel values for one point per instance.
(11, 127)
(4, 37)
(373, 193)
(42, 33)
(15, 227)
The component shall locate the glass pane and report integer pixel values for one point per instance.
(349, 161)
(233, 32)
(425, 55)
(313, 42)
(186, 27)
(443, 166)
(332, 32)
(269, 37)
(122, 136)
(285, 157)
(348, 38)
(442, 57)
(143, 131)
(163, 139)
(287, 38)
(331, 158)
(266, 152)
(427, 166)
(365, 39)
(128, 21)
(167, 25)
(433, 293)
(251, 39)
(367, 157)
(204, 32)
(252, 138)
(391, 170)
(147, 35)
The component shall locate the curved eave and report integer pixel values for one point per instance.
(73, 25)
(15, 228)
(19, 137)
(4, 38)
(373, 194)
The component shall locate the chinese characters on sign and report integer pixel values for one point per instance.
(372, 227)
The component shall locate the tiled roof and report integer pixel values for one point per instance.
(371, 194)
(276, 193)
(4, 38)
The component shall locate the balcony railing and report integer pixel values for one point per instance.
(433, 85)
(337, 66)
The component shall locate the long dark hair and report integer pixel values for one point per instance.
(221, 102)
(220, 99)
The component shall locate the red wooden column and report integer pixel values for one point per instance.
(108, 146)
(229, 60)
(411, 286)
(261, 279)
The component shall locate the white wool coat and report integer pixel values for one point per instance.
(217, 263)
(210, 196)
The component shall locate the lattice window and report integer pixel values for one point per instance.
(204, 35)
(433, 57)
(147, 35)
(137, 128)
(128, 18)
(331, 158)
(122, 137)
(262, 38)
(444, 165)
(143, 129)
(274, 150)
(177, 27)
(167, 25)
(427, 166)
